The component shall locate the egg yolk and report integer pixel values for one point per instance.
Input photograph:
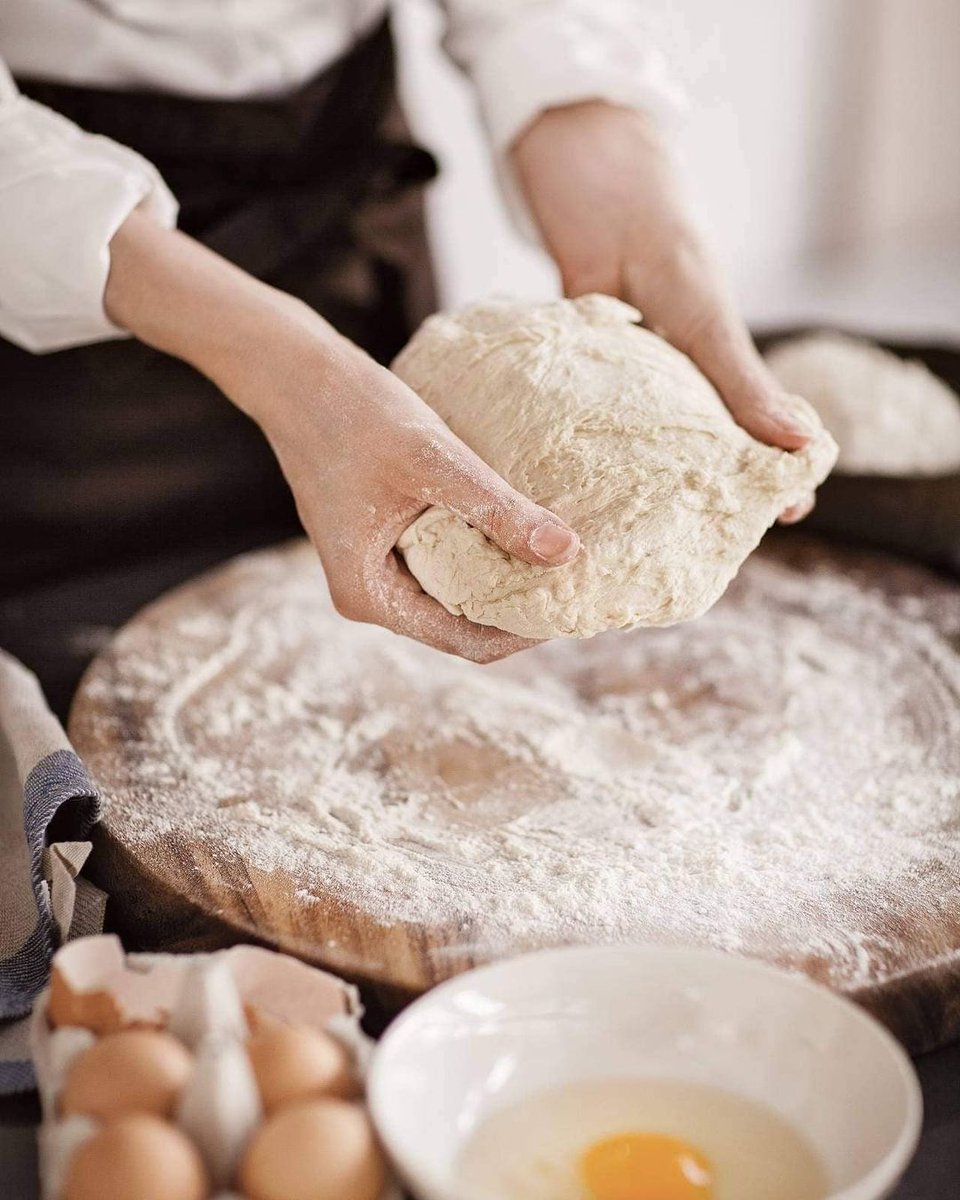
(645, 1166)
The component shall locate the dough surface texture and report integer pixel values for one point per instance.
(621, 436)
(889, 416)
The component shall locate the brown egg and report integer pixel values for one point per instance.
(317, 1150)
(133, 1071)
(296, 1062)
(259, 1020)
(138, 1157)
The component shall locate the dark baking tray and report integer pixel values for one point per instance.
(916, 518)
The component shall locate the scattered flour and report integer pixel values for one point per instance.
(781, 777)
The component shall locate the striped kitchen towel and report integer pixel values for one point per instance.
(48, 805)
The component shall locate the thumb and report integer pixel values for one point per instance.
(758, 403)
(692, 309)
(465, 485)
(724, 351)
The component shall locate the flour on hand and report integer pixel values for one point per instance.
(889, 416)
(623, 438)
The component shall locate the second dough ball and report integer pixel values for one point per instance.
(890, 416)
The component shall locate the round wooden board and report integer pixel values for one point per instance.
(181, 875)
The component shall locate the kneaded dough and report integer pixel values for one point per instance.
(621, 436)
(889, 416)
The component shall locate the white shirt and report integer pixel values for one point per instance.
(64, 193)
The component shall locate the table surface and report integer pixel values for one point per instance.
(933, 1175)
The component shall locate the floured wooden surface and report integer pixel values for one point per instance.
(779, 778)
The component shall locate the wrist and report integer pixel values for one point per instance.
(247, 337)
(288, 368)
(589, 119)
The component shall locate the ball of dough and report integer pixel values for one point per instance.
(317, 1150)
(135, 1070)
(137, 1156)
(297, 1063)
(889, 416)
(622, 437)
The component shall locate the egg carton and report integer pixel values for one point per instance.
(206, 1000)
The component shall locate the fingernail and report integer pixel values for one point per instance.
(798, 426)
(799, 420)
(553, 543)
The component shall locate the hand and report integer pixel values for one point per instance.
(362, 453)
(602, 190)
(364, 456)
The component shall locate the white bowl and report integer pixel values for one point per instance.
(492, 1036)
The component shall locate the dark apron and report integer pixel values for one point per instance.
(123, 470)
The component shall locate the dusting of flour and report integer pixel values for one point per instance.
(781, 777)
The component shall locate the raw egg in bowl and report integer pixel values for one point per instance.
(642, 1073)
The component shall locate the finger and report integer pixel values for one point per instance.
(728, 358)
(397, 602)
(796, 512)
(457, 479)
(767, 412)
(691, 309)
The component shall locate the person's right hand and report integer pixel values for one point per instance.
(363, 454)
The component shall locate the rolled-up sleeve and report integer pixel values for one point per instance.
(63, 195)
(526, 56)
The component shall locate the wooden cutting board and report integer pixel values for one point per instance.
(780, 778)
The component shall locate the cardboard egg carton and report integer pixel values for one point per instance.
(210, 1002)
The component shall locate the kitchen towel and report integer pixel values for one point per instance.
(48, 806)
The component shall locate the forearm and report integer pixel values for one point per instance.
(176, 295)
(362, 453)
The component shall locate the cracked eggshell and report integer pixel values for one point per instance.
(93, 986)
(146, 988)
(289, 990)
(78, 992)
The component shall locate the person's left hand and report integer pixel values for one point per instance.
(602, 190)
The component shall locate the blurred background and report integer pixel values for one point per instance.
(821, 146)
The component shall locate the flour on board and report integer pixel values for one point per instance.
(781, 777)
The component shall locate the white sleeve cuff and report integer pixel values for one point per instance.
(555, 54)
(63, 195)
